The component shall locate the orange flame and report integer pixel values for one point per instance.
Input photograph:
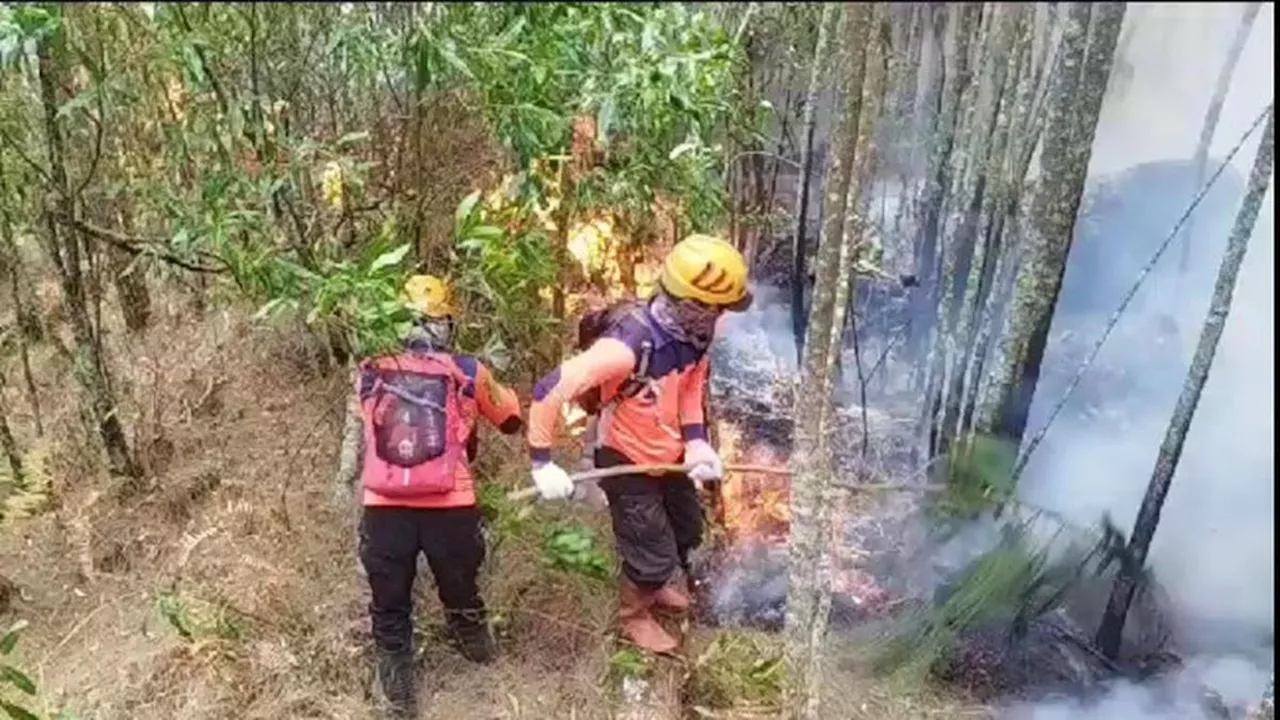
(756, 506)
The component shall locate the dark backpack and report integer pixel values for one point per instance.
(593, 326)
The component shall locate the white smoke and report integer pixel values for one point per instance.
(1214, 550)
(1235, 682)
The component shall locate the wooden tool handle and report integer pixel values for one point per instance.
(597, 474)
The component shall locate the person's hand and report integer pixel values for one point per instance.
(707, 466)
(552, 482)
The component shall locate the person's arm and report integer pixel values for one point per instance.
(607, 360)
(708, 467)
(497, 402)
(693, 388)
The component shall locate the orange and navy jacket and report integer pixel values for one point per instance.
(481, 394)
(650, 427)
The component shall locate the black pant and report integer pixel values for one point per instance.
(657, 521)
(390, 540)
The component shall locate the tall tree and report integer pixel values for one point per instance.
(808, 600)
(799, 277)
(978, 155)
(964, 21)
(1019, 128)
(1148, 519)
(1211, 117)
(1078, 87)
(68, 248)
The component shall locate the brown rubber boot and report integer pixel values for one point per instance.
(672, 599)
(638, 624)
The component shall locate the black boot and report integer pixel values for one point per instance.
(476, 643)
(396, 676)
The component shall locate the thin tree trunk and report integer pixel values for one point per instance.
(1020, 134)
(1148, 519)
(808, 598)
(30, 329)
(798, 274)
(20, 291)
(985, 189)
(1211, 118)
(128, 275)
(130, 281)
(7, 443)
(1075, 101)
(874, 73)
(67, 252)
(965, 20)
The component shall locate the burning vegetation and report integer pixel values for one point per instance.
(1003, 609)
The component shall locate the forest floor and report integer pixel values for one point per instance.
(228, 587)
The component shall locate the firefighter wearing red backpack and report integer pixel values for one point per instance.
(643, 368)
(419, 410)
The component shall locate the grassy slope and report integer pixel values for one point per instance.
(237, 530)
(238, 543)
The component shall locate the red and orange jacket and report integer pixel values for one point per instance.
(650, 427)
(481, 395)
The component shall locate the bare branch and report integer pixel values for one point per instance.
(22, 155)
(138, 246)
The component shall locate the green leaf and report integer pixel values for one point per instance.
(272, 307)
(448, 51)
(10, 639)
(79, 102)
(17, 679)
(389, 259)
(605, 120)
(682, 149)
(462, 215)
(485, 233)
(34, 21)
(17, 713)
(352, 138)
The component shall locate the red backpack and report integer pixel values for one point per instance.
(414, 429)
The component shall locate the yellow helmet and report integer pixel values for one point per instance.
(709, 270)
(430, 296)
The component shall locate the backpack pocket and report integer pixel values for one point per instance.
(413, 432)
(411, 419)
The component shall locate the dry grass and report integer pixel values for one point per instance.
(236, 533)
(235, 544)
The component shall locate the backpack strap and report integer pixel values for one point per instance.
(408, 397)
(371, 382)
(638, 317)
(638, 379)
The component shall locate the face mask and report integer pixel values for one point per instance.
(686, 320)
(433, 333)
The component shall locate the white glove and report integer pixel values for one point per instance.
(552, 482)
(708, 467)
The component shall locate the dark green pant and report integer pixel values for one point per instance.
(657, 521)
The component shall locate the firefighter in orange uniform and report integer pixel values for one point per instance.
(647, 369)
(419, 409)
